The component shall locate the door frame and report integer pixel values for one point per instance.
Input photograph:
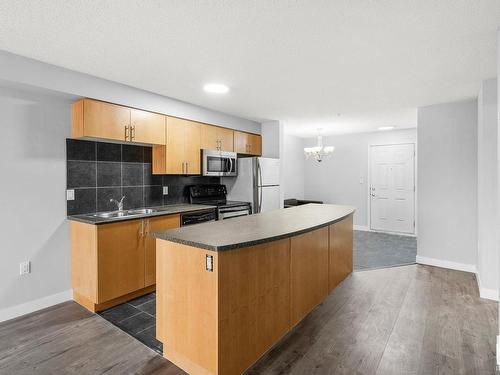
(369, 203)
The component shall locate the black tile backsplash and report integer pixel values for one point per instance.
(109, 174)
(109, 152)
(99, 171)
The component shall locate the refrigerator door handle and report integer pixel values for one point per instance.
(259, 184)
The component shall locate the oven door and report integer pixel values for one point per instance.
(229, 213)
(219, 163)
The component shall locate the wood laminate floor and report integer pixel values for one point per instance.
(403, 320)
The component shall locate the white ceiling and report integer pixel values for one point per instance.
(302, 62)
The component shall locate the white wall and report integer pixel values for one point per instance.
(337, 179)
(447, 185)
(487, 145)
(293, 167)
(21, 70)
(33, 221)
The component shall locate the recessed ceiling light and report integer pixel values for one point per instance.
(216, 88)
(386, 128)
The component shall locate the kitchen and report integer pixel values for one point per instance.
(248, 187)
(195, 177)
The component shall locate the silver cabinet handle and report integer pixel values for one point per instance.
(187, 167)
(126, 132)
(132, 132)
(182, 167)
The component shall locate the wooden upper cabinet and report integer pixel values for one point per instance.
(96, 119)
(92, 118)
(246, 143)
(181, 155)
(147, 127)
(216, 138)
(192, 147)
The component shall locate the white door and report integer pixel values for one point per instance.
(392, 188)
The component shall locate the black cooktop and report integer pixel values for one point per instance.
(212, 194)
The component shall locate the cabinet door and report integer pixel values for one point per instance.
(120, 259)
(192, 142)
(147, 127)
(255, 144)
(309, 272)
(209, 137)
(105, 120)
(175, 145)
(340, 251)
(241, 142)
(225, 136)
(153, 225)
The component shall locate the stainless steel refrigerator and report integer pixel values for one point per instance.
(258, 182)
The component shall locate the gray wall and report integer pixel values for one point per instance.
(337, 180)
(21, 70)
(293, 167)
(447, 183)
(35, 102)
(487, 243)
(33, 170)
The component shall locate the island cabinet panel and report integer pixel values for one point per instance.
(186, 301)
(153, 225)
(254, 303)
(147, 127)
(340, 251)
(120, 263)
(96, 119)
(309, 272)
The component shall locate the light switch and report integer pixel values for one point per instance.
(25, 267)
(165, 190)
(70, 195)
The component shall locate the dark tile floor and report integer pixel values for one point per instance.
(373, 250)
(138, 319)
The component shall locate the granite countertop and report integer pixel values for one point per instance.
(256, 229)
(160, 211)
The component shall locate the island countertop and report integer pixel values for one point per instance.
(255, 229)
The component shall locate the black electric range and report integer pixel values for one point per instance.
(215, 195)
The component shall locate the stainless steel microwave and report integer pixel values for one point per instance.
(219, 163)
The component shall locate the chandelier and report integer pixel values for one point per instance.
(319, 152)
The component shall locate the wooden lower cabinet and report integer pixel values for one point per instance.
(340, 251)
(309, 272)
(115, 262)
(152, 225)
(120, 259)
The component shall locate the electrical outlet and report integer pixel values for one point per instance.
(25, 267)
(361, 180)
(70, 195)
(165, 190)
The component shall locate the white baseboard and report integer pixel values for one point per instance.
(365, 228)
(446, 264)
(361, 227)
(38, 304)
(485, 292)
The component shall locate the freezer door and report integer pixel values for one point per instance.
(269, 198)
(269, 173)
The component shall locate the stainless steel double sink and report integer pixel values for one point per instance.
(126, 213)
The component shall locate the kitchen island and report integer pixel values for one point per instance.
(227, 291)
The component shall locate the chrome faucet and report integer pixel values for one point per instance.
(119, 204)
